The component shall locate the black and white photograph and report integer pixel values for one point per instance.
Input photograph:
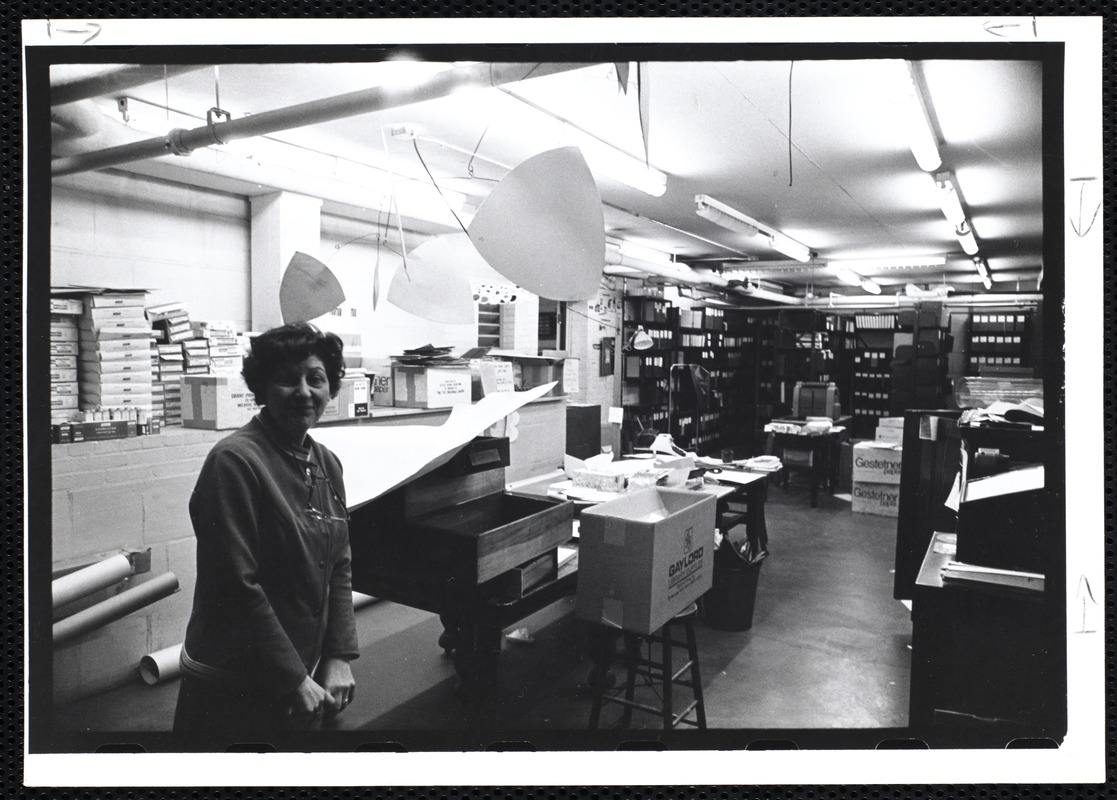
(606, 396)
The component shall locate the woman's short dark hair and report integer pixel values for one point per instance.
(290, 344)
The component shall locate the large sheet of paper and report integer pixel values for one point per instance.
(378, 458)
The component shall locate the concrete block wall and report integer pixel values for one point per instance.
(182, 243)
(587, 324)
(125, 493)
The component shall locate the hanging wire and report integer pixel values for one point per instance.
(434, 183)
(473, 155)
(601, 322)
(790, 175)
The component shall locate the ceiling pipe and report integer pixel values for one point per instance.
(181, 142)
(676, 273)
(107, 83)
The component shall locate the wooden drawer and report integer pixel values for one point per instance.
(479, 539)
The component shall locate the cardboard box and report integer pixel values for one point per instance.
(352, 400)
(380, 389)
(66, 305)
(644, 557)
(877, 462)
(496, 376)
(531, 371)
(887, 434)
(881, 499)
(216, 402)
(432, 387)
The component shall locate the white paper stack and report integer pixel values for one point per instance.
(224, 349)
(114, 365)
(63, 360)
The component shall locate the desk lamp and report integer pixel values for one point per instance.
(639, 340)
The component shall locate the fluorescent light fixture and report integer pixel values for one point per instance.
(649, 254)
(846, 275)
(731, 219)
(983, 271)
(870, 286)
(721, 214)
(966, 238)
(899, 262)
(607, 160)
(789, 247)
(602, 157)
(946, 188)
(922, 139)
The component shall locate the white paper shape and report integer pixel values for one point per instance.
(616, 415)
(433, 285)
(378, 458)
(308, 289)
(543, 227)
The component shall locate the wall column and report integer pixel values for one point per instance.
(282, 223)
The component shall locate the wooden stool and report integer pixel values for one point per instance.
(660, 672)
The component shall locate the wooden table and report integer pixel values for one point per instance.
(822, 451)
(474, 620)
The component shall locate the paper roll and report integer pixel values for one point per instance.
(90, 579)
(162, 665)
(115, 607)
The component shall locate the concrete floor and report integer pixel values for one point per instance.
(828, 649)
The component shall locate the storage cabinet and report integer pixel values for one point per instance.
(998, 341)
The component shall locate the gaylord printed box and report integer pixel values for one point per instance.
(644, 557)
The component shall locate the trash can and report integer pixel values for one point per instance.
(729, 604)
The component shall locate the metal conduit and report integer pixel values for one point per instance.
(110, 82)
(181, 141)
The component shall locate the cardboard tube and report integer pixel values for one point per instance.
(90, 579)
(114, 608)
(162, 665)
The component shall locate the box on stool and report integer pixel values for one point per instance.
(644, 557)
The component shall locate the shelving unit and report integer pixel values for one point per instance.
(919, 367)
(998, 341)
(812, 346)
(644, 392)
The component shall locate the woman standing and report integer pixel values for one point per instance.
(271, 633)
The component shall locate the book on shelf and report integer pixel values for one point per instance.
(975, 573)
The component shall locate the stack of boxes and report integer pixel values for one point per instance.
(196, 352)
(221, 341)
(876, 470)
(64, 312)
(171, 323)
(114, 366)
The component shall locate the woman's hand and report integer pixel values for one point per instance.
(309, 701)
(337, 681)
